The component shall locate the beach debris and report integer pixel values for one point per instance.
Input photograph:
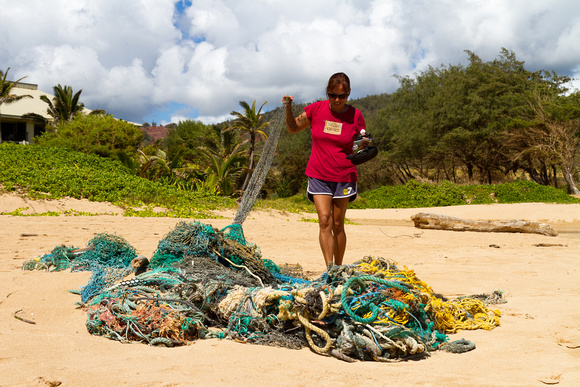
(427, 220)
(552, 379)
(570, 342)
(16, 316)
(140, 264)
(208, 283)
(42, 381)
(550, 245)
(495, 297)
(458, 346)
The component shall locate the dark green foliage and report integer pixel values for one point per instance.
(374, 174)
(98, 134)
(224, 153)
(414, 195)
(546, 137)
(447, 123)
(218, 152)
(530, 192)
(291, 160)
(371, 104)
(189, 134)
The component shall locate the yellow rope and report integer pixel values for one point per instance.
(308, 326)
(449, 316)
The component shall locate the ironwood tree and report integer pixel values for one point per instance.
(450, 123)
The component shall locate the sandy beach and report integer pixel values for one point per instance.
(538, 342)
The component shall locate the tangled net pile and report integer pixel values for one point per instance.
(208, 283)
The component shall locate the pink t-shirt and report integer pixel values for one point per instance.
(333, 135)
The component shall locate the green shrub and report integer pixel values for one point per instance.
(415, 195)
(99, 134)
(48, 172)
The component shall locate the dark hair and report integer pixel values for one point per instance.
(338, 79)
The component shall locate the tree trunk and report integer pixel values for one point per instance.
(250, 170)
(469, 167)
(544, 174)
(443, 222)
(568, 176)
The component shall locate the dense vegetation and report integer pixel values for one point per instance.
(486, 122)
(50, 173)
(57, 172)
(102, 135)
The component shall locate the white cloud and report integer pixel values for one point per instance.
(130, 57)
(63, 64)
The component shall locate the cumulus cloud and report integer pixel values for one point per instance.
(197, 59)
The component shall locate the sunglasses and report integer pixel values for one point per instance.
(339, 96)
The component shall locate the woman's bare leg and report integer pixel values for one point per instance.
(331, 235)
(339, 212)
(324, 208)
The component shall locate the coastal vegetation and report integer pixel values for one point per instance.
(478, 133)
(54, 173)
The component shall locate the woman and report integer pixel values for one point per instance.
(331, 176)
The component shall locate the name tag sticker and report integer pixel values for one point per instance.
(332, 127)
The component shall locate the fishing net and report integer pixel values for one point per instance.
(208, 283)
(261, 171)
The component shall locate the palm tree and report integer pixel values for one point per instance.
(226, 157)
(251, 125)
(65, 105)
(160, 164)
(5, 96)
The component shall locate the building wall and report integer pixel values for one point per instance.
(15, 128)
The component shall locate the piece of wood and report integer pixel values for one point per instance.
(429, 220)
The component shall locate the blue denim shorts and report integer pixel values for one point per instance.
(336, 190)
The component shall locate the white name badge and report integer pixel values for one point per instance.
(332, 127)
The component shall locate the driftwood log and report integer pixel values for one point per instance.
(443, 222)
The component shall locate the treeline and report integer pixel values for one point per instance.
(486, 122)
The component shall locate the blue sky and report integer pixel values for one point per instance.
(167, 60)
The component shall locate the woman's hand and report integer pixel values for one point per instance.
(365, 142)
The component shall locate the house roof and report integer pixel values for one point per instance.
(156, 132)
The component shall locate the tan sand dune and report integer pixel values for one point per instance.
(538, 342)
